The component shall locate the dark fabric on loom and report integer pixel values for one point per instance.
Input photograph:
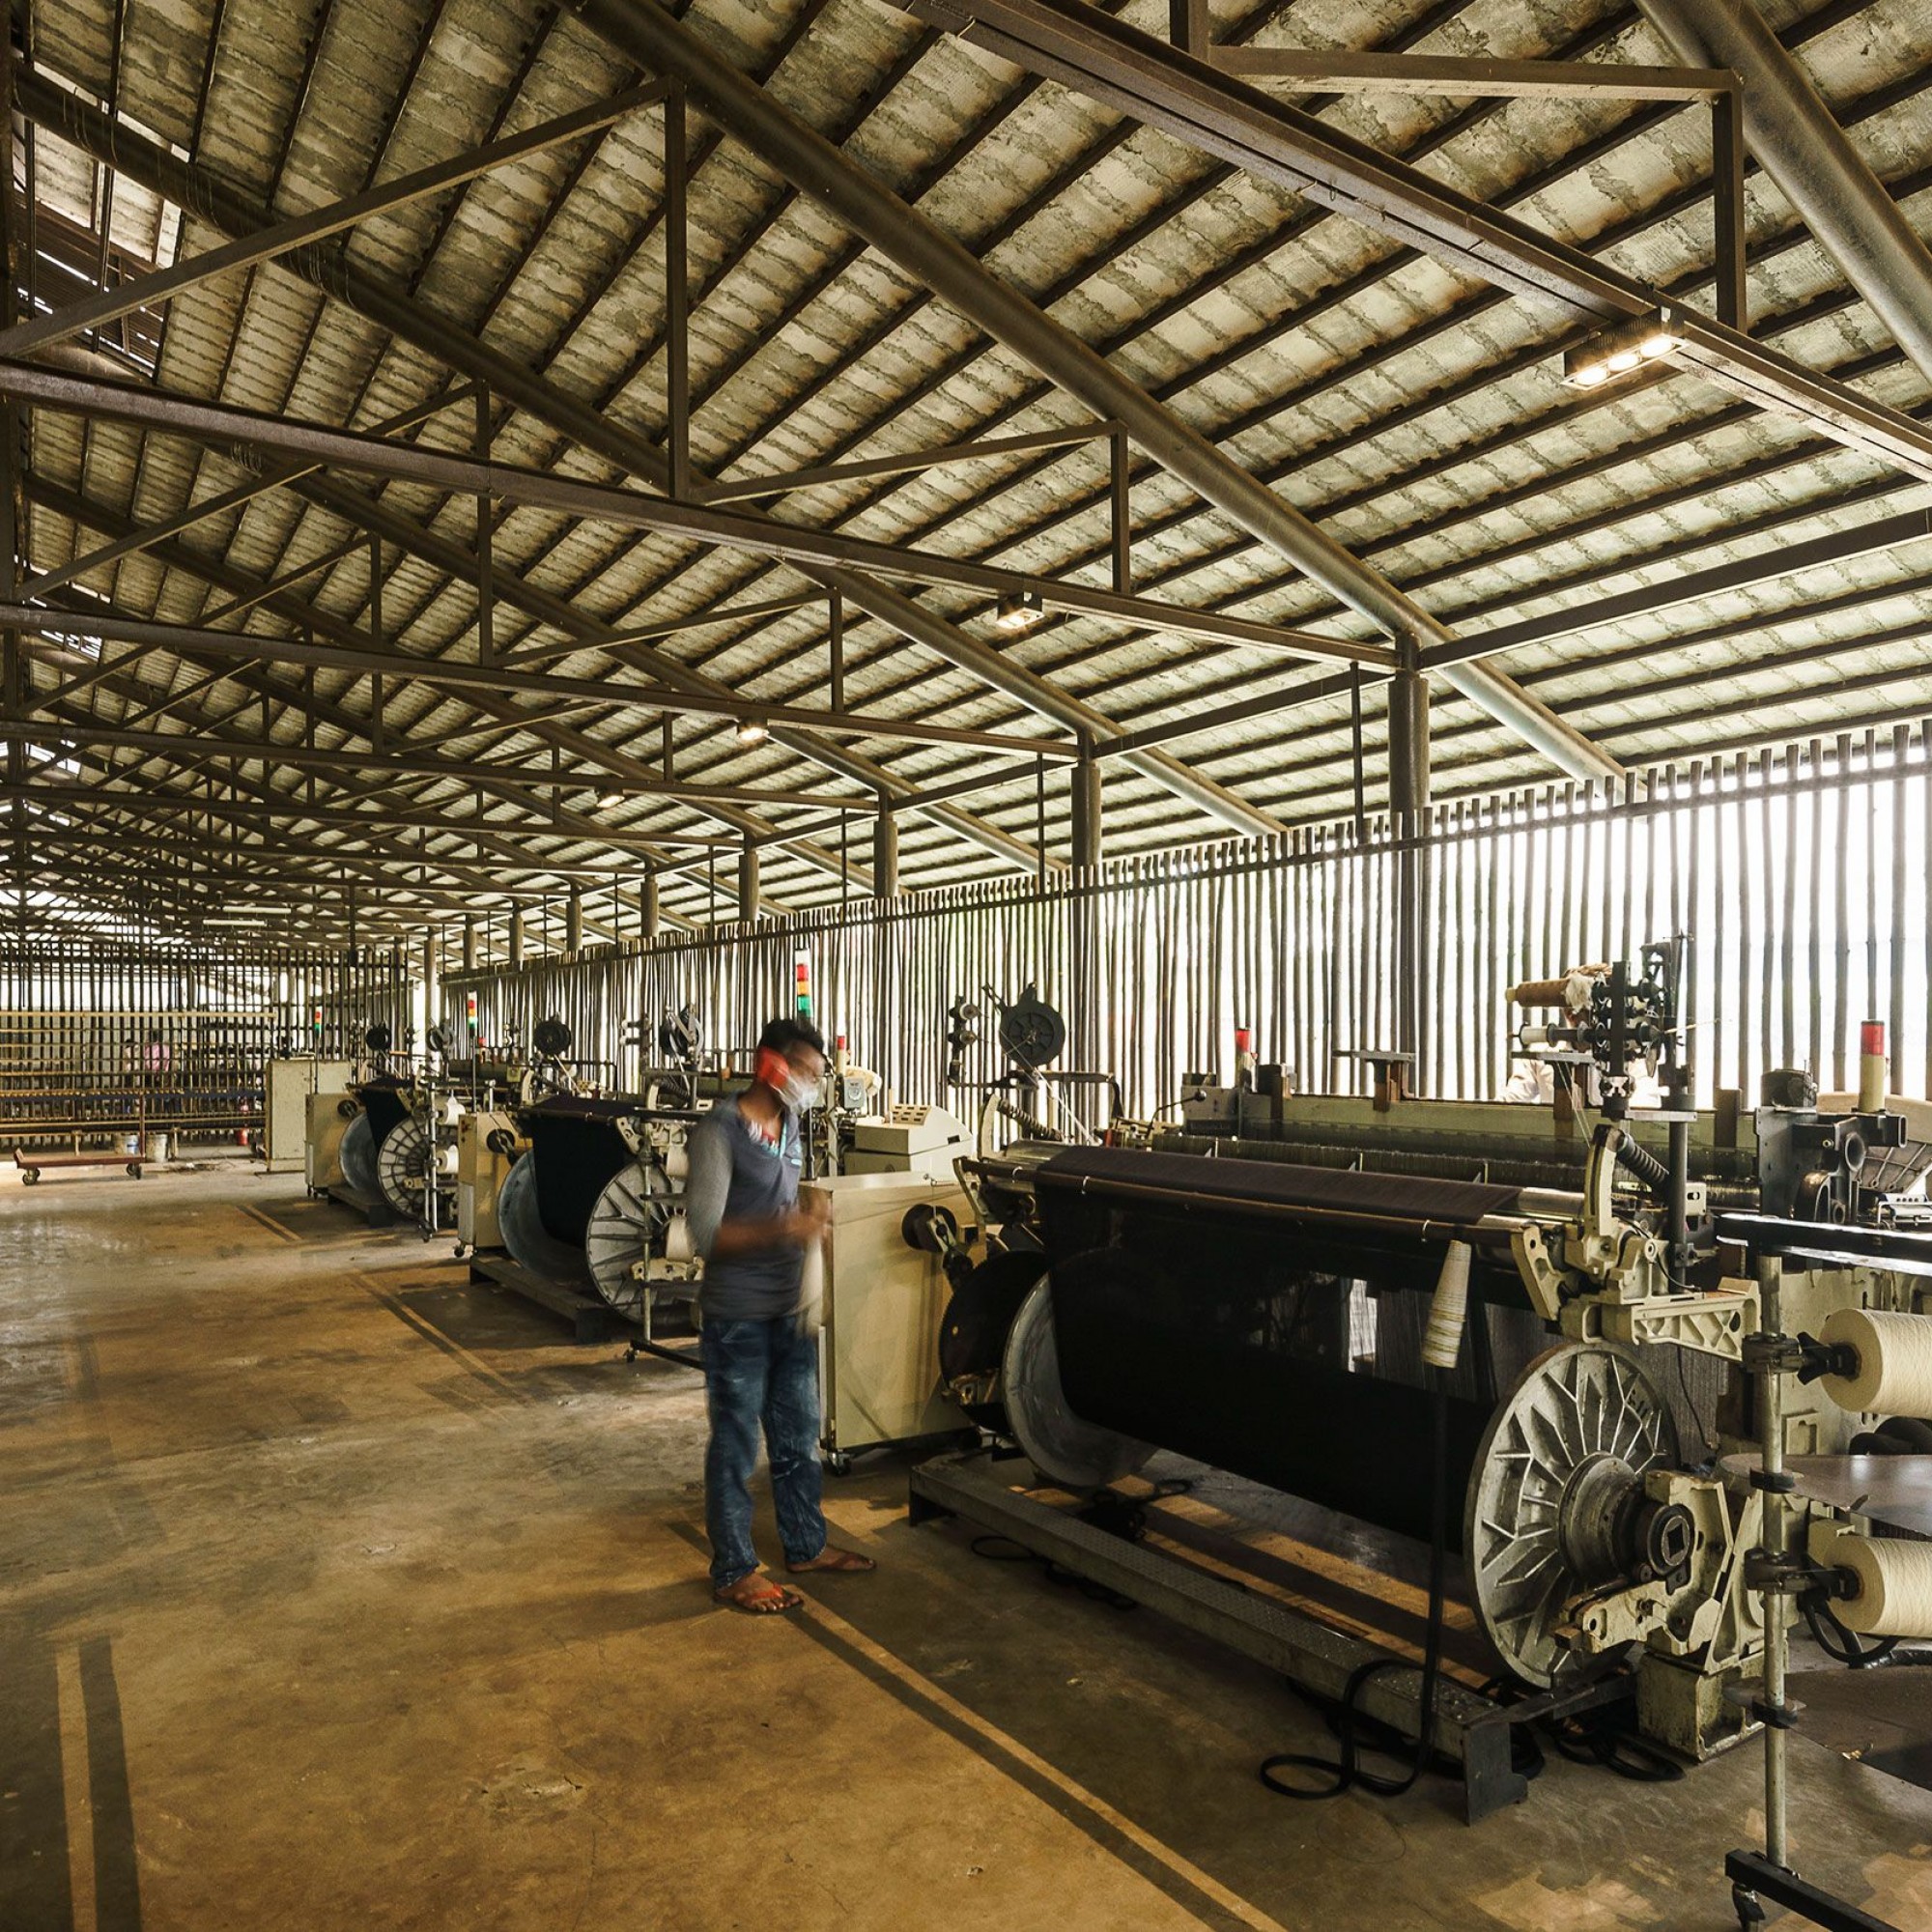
(1415, 1197)
(578, 1151)
(1210, 1367)
(383, 1102)
(1214, 1324)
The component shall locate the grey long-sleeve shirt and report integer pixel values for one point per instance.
(736, 1175)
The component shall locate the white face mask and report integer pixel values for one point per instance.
(798, 1093)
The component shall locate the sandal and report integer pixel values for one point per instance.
(847, 1562)
(756, 1596)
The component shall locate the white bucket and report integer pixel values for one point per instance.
(158, 1147)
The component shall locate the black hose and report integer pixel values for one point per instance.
(1354, 1731)
(1849, 1648)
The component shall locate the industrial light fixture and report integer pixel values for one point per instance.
(753, 731)
(1020, 611)
(1628, 345)
(608, 801)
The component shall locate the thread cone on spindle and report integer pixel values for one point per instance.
(1448, 1309)
(1893, 1351)
(1894, 1585)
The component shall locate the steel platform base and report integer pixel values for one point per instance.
(1754, 1878)
(592, 1320)
(1469, 1729)
(373, 1208)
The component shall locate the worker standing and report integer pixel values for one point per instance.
(757, 1346)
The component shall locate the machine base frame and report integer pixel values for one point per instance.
(1753, 1877)
(373, 1208)
(1471, 1729)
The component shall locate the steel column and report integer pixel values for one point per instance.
(748, 884)
(885, 856)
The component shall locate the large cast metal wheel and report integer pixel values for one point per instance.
(627, 1220)
(1559, 1466)
(530, 1244)
(356, 1156)
(401, 1166)
(1065, 1449)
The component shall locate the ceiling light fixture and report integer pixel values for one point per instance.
(753, 731)
(1020, 611)
(1618, 350)
(608, 801)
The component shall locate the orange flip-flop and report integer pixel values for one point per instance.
(771, 1601)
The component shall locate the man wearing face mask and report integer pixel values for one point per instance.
(760, 1358)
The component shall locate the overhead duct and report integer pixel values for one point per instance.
(1799, 145)
(651, 36)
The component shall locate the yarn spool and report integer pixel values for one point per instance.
(1448, 1309)
(1894, 1361)
(1894, 1578)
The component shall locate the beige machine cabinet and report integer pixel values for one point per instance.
(287, 1089)
(878, 1351)
(480, 1174)
(908, 1140)
(329, 1119)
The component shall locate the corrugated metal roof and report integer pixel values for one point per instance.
(1419, 418)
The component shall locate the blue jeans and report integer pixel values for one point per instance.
(760, 1373)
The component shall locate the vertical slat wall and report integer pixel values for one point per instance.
(99, 1039)
(1800, 873)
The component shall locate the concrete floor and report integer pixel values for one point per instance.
(335, 1592)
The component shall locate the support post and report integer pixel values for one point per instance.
(1122, 513)
(677, 293)
(1087, 808)
(1408, 742)
(431, 988)
(885, 853)
(647, 906)
(573, 921)
(835, 632)
(516, 941)
(1189, 26)
(1727, 205)
(486, 587)
(1408, 800)
(748, 883)
(469, 942)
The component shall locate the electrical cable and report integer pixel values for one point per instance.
(1849, 1648)
(1354, 1731)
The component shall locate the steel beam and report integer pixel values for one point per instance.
(161, 171)
(304, 231)
(534, 778)
(149, 635)
(1788, 561)
(744, 489)
(369, 514)
(276, 852)
(1243, 711)
(268, 808)
(669, 627)
(1798, 143)
(145, 536)
(1341, 71)
(218, 423)
(662, 44)
(1076, 43)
